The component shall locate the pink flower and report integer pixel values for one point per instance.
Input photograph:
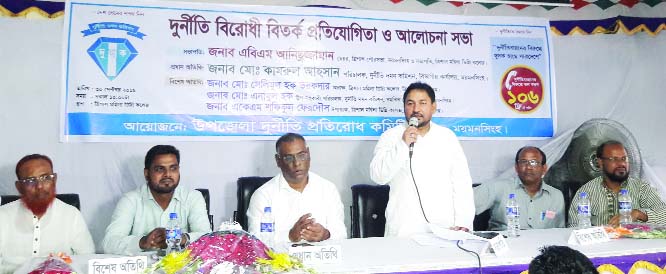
(236, 246)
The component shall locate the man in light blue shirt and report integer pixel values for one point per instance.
(541, 205)
(140, 218)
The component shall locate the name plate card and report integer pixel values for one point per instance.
(588, 236)
(498, 245)
(122, 265)
(317, 254)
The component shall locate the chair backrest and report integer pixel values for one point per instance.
(481, 220)
(367, 210)
(68, 198)
(206, 195)
(246, 187)
(569, 191)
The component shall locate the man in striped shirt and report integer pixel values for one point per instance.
(603, 191)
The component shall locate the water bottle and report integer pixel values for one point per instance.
(267, 231)
(584, 214)
(624, 202)
(512, 216)
(173, 233)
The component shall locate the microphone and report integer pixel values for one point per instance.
(413, 122)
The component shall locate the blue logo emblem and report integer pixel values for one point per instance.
(112, 55)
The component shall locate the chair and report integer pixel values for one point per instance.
(206, 196)
(68, 198)
(482, 219)
(367, 210)
(568, 191)
(246, 187)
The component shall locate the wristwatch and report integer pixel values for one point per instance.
(187, 240)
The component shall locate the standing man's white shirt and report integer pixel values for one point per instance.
(320, 197)
(23, 235)
(441, 174)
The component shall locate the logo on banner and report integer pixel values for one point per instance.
(112, 55)
(522, 89)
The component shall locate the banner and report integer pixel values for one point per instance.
(137, 71)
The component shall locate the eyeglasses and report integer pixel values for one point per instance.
(532, 162)
(622, 159)
(33, 181)
(163, 169)
(291, 158)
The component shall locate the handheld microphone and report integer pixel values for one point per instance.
(413, 122)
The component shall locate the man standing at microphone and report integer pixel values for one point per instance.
(426, 168)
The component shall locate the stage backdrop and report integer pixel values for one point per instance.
(183, 71)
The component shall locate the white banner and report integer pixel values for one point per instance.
(139, 70)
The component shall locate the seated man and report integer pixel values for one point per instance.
(561, 260)
(603, 191)
(541, 205)
(140, 218)
(304, 205)
(38, 223)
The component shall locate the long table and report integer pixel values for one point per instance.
(404, 255)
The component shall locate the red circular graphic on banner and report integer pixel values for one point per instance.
(522, 89)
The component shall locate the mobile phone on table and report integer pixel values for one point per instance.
(486, 234)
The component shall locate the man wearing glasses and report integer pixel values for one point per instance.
(541, 205)
(305, 206)
(140, 218)
(603, 191)
(38, 223)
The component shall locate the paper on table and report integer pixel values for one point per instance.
(446, 238)
(429, 239)
(454, 235)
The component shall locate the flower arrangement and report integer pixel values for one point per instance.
(227, 251)
(637, 231)
(646, 231)
(55, 264)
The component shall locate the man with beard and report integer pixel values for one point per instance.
(430, 185)
(306, 207)
(541, 205)
(38, 223)
(140, 218)
(603, 191)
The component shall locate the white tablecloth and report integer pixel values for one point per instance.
(373, 255)
(401, 255)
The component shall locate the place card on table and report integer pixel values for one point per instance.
(498, 245)
(317, 254)
(486, 243)
(122, 265)
(588, 236)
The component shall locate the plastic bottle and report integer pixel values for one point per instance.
(624, 203)
(267, 230)
(584, 213)
(512, 216)
(173, 233)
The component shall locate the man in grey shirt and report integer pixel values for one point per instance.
(541, 205)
